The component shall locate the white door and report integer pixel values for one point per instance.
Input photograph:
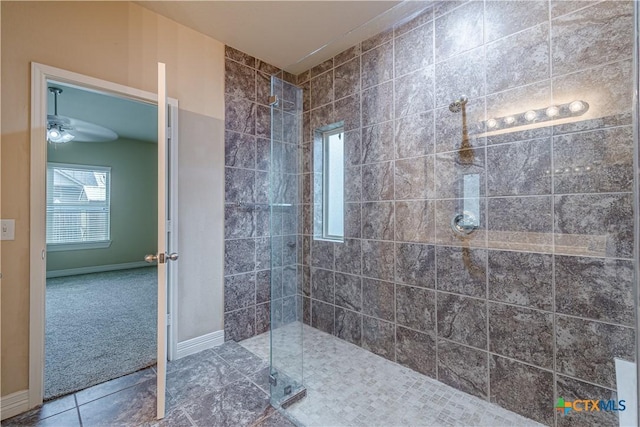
(162, 257)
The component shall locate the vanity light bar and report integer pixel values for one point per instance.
(553, 112)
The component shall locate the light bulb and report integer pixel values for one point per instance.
(509, 120)
(53, 134)
(576, 106)
(553, 111)
(491, 123)
(56, 135)
(530, 115)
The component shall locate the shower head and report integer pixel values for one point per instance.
(457, 105)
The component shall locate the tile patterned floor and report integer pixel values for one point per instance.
(349, 386)
(225, 386)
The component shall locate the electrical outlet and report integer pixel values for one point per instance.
(8, 228)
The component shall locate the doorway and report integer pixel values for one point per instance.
(98, 309)
(101, 215)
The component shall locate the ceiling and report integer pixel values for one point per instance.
(292, 35)
(128, 118)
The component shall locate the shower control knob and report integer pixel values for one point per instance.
(464, 224)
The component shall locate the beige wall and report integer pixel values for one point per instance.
(120, 42)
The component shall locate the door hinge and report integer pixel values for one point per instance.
(273, 100)
(160, 258)
(273, 380)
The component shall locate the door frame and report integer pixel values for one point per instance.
(40, 74)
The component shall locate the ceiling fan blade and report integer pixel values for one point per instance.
(84, 131)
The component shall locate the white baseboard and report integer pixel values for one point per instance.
(14, 404)
(96, 269)
(197, 344)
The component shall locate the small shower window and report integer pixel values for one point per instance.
(329, 184)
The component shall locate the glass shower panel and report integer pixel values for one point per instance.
(286, 299)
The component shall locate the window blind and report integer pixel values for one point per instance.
(78, 204)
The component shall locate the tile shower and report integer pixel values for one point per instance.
(538, 301)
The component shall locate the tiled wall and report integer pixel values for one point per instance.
(538, 301)
(247, 269)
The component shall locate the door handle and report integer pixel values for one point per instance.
(161, 258)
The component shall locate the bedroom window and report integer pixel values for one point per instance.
(78, 206)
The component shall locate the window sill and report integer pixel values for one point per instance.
(59, 247)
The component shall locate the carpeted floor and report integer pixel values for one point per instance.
(98, 327)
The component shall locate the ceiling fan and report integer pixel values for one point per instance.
(61, 129)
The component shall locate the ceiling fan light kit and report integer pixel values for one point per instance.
(61, 129)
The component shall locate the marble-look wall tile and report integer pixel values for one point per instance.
(377, 181)
(415, 264)
(321, 90)
(347, 78)
(377, 143)
(600, 161)
(376, 104)
(263, 318)
(322, 67)
(586, 349)
(459, 131)
(353, 184)
(520, 223)
(239, 256)
(416, 308)
(518, 60)
(346, 55)
(453, 167)
(463, 367)
(378, 220)
(595, 288)
(462, 319)
(414, 135)
(239, 80)
(349, 291)
(521, 388)
(239, 185)
(605, 227)
(414, 93)
(378, 299)
(322, 285)
(239, 56)
(378, 337)
(592, 36)
(460, 30)
(505, 18)
(347, 110)
(414, 178)
(462, 270)
(353, 148)
(322, 316)
(322, 254)
(348, 256)
(263, 286)
(348, 326)
(521, 278)
(239, 150)
(416, 350)
(377, 259)
(460, 75)
(413, 22)
(352, 220)
(263, 88)
(240, 115)
(240, 324)
(521, 168)
(414, 49)
(377, 40)
(608, 88)
(321, 117)
(522, 334)
(239, 291)
(415, 221)
(562, 7)
(239, 222)
(571, 389)
(377, 65)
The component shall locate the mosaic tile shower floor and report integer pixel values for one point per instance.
(349, 386)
